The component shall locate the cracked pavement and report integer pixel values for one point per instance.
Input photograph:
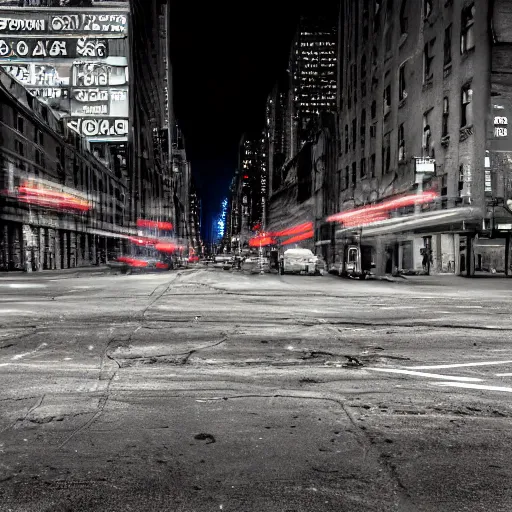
(206, 390)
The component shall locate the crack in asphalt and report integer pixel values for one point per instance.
(109, 375)
(30, 411)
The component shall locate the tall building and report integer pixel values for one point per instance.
(253, 165)
(434, 87)
(150, 145)
(313, 65)
(307, 88)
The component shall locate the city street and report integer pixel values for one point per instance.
(202, 390)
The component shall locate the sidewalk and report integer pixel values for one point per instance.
(62, 273)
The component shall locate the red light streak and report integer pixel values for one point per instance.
(153, 224)
(386, 206)
(299, 238)
(51, 199)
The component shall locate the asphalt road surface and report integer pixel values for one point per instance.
(205, 390)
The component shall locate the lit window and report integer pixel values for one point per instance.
(467, 40)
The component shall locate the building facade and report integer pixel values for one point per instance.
(60, 207)
(424, 83)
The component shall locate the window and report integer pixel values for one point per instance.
(373, 109)
(354, 174)
(448, 44)
(386, 152)
(427, 134)
(466, 117)
(446, 113)
(39, 139)
(354, 133)
(375, 56)
(373, 131)
(366, 21)
(347, 176)
(376, 17)
(461, 179)
(402, 93)
(372, 166)
(363, 167)
(387, 100)
(363, 76)
(428, 57)
(389, 39)
(362, 129)
(404, 25)
(346, 138)
(20, 124)
(19, 148)
(427, 8)
(401, 143)
(467, 40)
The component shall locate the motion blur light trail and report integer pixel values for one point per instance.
(378, 212)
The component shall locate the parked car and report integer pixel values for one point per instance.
(299, 261)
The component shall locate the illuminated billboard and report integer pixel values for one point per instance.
(76, 62)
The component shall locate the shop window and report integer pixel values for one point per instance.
(467, 38)
(372, 166)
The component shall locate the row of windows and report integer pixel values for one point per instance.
(467, 43)
(466, 119)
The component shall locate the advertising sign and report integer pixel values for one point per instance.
(499, 136)
(11, 48)
(62, 58)
(100, 128)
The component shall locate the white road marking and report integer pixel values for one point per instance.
(422, 374)
(474, 386)
(45, 365)
(469, 307)
(23, 285)
(7, 311)
(503, 374)
(457, 365)
(25, 354)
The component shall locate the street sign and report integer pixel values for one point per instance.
(425, 165)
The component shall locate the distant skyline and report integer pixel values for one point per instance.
(225, 62)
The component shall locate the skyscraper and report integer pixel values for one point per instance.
(313, 66)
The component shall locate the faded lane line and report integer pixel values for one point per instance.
(503, 374)
(469, 307)
(473, 386)
(457, 365)
(23, 285)
(25, 354)
(422, 374)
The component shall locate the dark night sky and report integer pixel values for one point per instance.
(225, 61)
